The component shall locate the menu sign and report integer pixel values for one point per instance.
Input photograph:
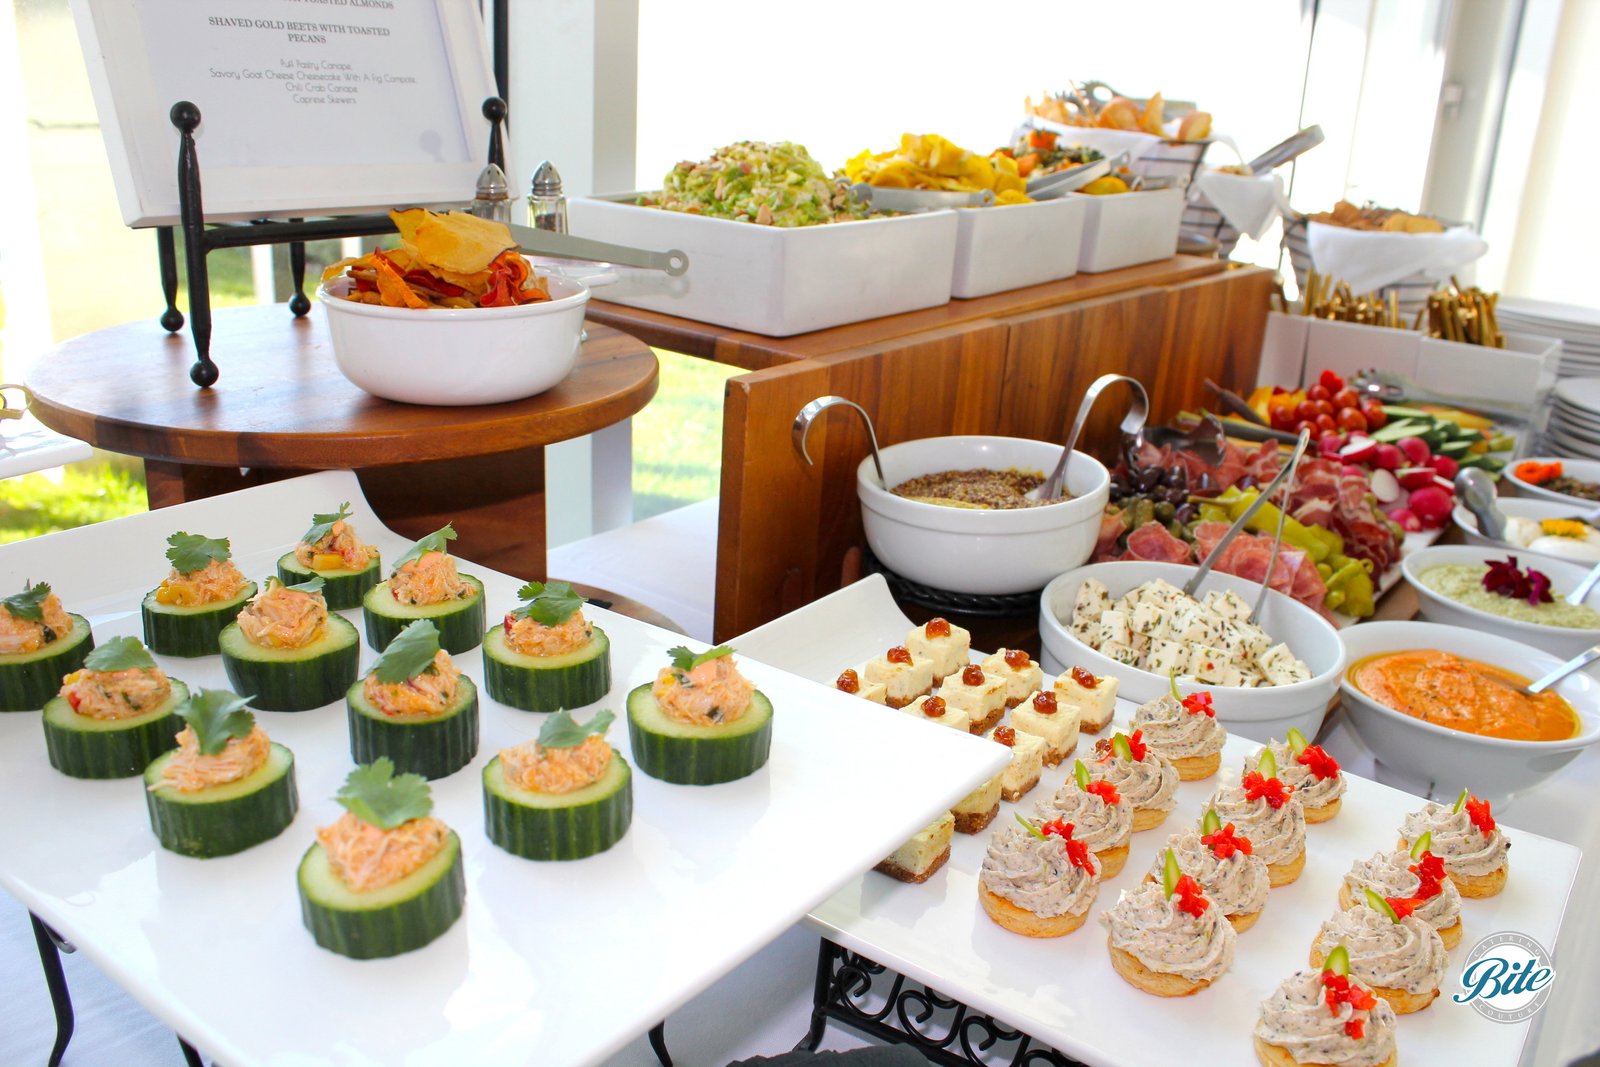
(308, 106)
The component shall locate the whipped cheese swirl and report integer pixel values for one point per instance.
(1278, 834)
(1149, 927)
(1406, 955)
(1296, 1018)
(1175, 733)
(1389, 875)
(1463, 847)
(1034, 874)
(1238, 885)
(1313, 792)
(1148, 783)
(1097, 824)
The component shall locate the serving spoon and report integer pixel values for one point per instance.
(808, 414)
(1266, 494)
(1577, 663)
(1132, 424)
(1478, 494)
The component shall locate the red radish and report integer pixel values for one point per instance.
(1385, 486)
(1389, 458)
(1359, 449)
(1432, 505)
(1416, 450)
(1407, 519)
(1446, 467)
(1329, 444)
(1350, 470)
(1415, 477)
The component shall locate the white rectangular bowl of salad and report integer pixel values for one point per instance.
(776, 280)
(1009, 246)
(1123, 229)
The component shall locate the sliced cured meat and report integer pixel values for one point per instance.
(1111, 531)
(1154, 542)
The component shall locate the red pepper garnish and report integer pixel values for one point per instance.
(1322, 765)
(1199, 704)
(937, 628)
(1104, 790)
(1017, 658)
(898, 654)
(509, 621)
(1430, 874)
(74, 699)
(1077, 851)
(1137, 746)
(1005, 735)
(423, 280)
(1044, 139)
(1478, 812)
(1084, 678)
(1272, 790)
(848, 681)
(1404, 906)
(1362, 999)
(972, 674)
(1355, 1029)
(1340, 990)
(1225, 843)
(1190, 896)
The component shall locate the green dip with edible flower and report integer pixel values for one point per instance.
(1463, 583)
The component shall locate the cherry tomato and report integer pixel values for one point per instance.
(1331, 381)
(1326, 424)
(1374, 414)
(1323, 407)
(1306, 424)
(1306, 411)
(1281, 416)
(1352, 420)
(1346, 398)
(1318, 392)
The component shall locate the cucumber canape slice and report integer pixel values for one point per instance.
(460, 622)
(223, 819)
(368, 921)
(343, 588)
(559, 826)
(687, 754)
(547, 683)
(293, 679)
(29, 679)
(191, 629)
(83, 747)
(430, 743)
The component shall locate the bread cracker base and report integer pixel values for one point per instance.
(1139, 976)
(1024, 922)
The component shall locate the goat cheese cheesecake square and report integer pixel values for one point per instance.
(925, 853)
(1020, 671)
(1094, 697)
(934, 709)
(1027, 760)
(1045, 717)
(904, 676)
(853, 680)
(947, 645)
(980, 694)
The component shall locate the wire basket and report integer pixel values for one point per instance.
(1411, 292)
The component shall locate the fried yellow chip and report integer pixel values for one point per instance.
(393, 288)
(456, 242)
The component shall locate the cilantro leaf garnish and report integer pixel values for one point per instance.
(409, 654)
(28, 604)
(434, 542)
(313, 584)
(216, 716)
(562, 731)
(547, 603)
(379, 797)
(194, 552)
(685, 660)
(119, 654)
(322, 524)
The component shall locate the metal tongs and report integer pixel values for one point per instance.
(1387, 387)
(1062, 182)
(673, 262)
(1266, 494)
(912, 201)
(1286, 149)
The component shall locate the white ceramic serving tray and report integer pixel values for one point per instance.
(554, 963)
(1062, 991)
(1013, 245)
(1124, 229)
(773, 280)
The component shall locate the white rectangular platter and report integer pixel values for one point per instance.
(554, 963)
(1063, 991)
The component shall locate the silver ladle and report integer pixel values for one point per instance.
(808, 415)
(1132, 423)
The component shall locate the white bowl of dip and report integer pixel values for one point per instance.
(1533, 510)
(1493, 767)
(1584, 470)
(981, 551)
(1562, 641)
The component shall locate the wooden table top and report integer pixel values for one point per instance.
(282, 403)
(754, 351)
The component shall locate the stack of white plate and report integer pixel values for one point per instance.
(1574, 428)
(1577, 327)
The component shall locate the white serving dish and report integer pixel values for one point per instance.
(774, 280)
(1012, 245)
(1519, 508)
(1261, 714)
(1586, 470)
(966, 550)
(1062, 991)
(554, 963)
(1123, 229)
(456, 356)
(1557, 640)
(1491, 767)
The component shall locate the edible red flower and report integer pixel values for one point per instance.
(1077, 851)
(1136, 745)
(1322, 765)
(1430, 874)
(1199, 704)
(1190, 897)
(1104, 790)
(1355, 1029)
(1259, 787)
(1404, 906)
(1478, 812)
(1225, 843)
(1506, 579)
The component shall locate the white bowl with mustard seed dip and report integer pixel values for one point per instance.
(967, 545)
(1452, 756)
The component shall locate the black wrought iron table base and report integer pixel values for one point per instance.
(867, 996)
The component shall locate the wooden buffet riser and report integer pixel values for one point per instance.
(789, 533)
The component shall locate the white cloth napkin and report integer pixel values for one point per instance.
(1250, 202)
(1369, 260)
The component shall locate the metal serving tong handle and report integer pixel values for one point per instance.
(910, 201)
(808, 415)
(1286, 149)
(1204, 569)
(1277, 538)
(1132, 423)
(565, 246)
(1063, 182)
